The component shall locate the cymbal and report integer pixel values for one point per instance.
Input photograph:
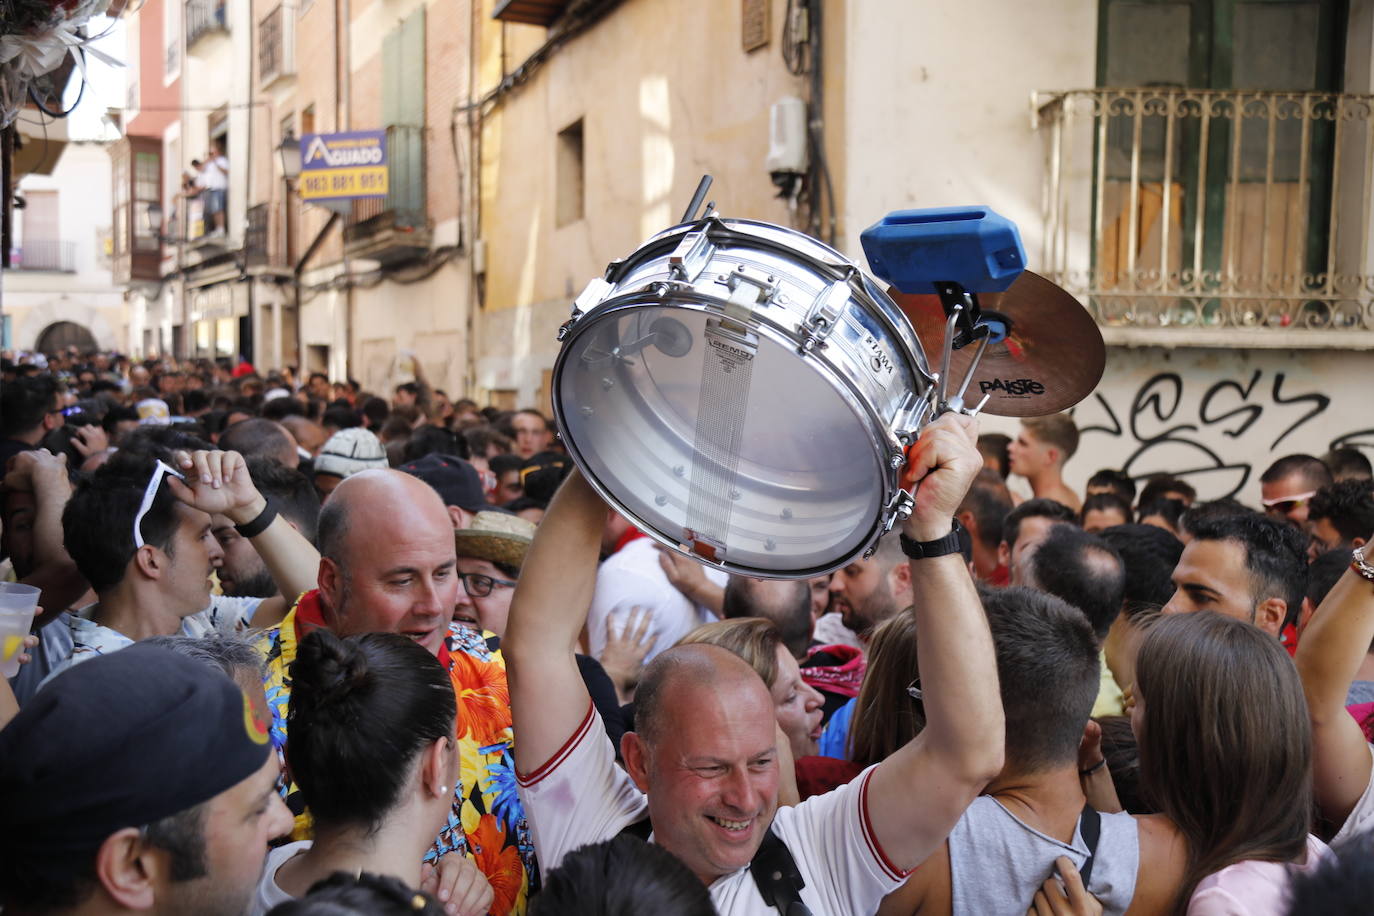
(1052, 358)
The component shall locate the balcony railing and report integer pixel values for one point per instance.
(202, 18)
(1206, 212)
(403, 209)
(276, 45)
(255, 248)
(44, 254)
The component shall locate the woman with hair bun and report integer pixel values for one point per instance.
(372, 750)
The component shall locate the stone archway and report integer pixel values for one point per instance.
(63, 334)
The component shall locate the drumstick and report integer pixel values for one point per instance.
(702, 187)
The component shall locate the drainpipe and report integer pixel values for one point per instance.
(296, 287)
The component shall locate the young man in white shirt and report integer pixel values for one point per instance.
(704, 763)
(214, 178)
(140, 532)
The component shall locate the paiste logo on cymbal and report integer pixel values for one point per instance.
(255, 720)
(1012, 387)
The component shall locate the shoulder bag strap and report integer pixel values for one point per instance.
(1090, 826)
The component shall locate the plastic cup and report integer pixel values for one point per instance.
(17, 606)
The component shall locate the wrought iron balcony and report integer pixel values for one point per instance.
(255, 250)
(1219, 217)
(44, 254)
(276, 45)
(204, 17)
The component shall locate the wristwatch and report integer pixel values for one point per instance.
(924, 550)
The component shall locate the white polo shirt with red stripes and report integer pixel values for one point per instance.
(581, 796)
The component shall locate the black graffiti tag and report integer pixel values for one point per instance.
(1229, 408)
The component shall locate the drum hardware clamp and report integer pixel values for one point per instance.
(691, 256)
(591, 296)
(823, 315)
(740, 306)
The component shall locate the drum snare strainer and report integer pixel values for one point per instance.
(744, 394)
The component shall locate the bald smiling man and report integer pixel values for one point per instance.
(704, 760)
(388, 565)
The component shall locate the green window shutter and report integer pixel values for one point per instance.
(391, 77)
(403, 113)
(412, 73)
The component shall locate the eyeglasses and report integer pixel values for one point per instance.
(480, 586)
(150, 494)
(1287, 504)
(913, 689)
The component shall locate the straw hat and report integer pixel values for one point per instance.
(496, 537)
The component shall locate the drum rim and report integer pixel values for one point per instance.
(647, 299)
(896, 322)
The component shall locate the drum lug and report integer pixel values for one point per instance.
(592, 296)
(821, 318)
(899, 510)
(691, 256)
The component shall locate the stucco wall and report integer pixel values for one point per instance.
(1217, 417)
(937, 104)
(87, 295)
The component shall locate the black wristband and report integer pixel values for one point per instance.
(923, 550)
(257, 526)
(1094, 768)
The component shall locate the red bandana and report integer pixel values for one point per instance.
(631, 534)
(845, 678)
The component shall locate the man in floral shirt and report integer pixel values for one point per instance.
(388, 565)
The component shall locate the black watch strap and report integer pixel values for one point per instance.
(924, 550)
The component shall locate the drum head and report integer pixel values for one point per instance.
(729, 446)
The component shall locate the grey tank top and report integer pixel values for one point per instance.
(997, 863)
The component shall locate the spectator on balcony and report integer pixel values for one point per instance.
(214, 182)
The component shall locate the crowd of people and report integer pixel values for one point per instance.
(305, 649)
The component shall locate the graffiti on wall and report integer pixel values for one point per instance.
(1218, 434)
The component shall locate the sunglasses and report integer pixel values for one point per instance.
(1286, 504)
(480, 586)
(150, 494)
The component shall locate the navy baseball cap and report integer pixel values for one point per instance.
(122, 740)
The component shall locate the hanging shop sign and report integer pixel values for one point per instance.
(343, 166)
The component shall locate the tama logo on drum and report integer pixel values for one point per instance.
(1017, 387)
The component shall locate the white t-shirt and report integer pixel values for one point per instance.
(215, 177)
(1361, 817)
(268, 894)
(225, 614)
(580, 797)
(631, 577)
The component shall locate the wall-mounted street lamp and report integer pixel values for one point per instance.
(290, 152)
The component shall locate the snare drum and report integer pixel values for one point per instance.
(744, 394)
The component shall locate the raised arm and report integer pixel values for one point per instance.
(547, 613)
(219, 483)
(45, 476)
(1329, 655)
(917, 795)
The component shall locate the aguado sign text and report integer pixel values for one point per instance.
(343, 166)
